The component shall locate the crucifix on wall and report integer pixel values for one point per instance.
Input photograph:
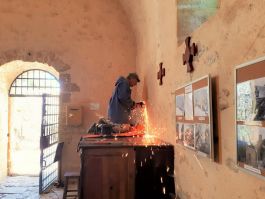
(190, 52)
(161, 73)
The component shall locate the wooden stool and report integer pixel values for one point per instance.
(75, 192)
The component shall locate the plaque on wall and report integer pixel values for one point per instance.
(250, 115)
(194, 127)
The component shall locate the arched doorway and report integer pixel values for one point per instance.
(34, 111)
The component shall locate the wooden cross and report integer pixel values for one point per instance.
(161, 73)
(189, 53)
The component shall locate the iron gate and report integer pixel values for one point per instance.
(49, 141)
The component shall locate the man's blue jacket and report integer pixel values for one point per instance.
(120, 103)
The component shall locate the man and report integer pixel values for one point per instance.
(120, 104)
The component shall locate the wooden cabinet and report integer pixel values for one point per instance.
(126, 169)
(107, 173)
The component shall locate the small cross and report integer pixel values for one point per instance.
(161, 73)
(189, 53)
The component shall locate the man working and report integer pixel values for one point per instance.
(120, 104)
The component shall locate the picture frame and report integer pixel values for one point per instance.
(194, 124)
(250, 116)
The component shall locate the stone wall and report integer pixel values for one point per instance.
(3, 128)
(89, 43)
(234, 35)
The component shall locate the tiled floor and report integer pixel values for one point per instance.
(23, 187)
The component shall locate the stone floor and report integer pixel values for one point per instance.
(24, 187)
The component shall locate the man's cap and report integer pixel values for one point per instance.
(133, 75)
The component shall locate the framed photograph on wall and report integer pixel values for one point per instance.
(194, 128)
(180, 132)
(189, 136)
(180, 105)
(250, 116)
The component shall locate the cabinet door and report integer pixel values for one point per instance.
(108, 173)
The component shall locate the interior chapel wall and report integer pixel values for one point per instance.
(234, 35)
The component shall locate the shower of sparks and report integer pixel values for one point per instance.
(168, 168)
(161, 179)
(164, 190)
(146, 121)
(141, 117)
(150, 133)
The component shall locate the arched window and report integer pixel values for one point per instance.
(34, 83)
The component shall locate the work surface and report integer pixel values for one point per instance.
(144, 141)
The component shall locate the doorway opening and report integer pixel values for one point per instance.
(25, 132)
(33, 126)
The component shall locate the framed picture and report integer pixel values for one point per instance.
(194, 127)
(180, 132)
(188, 106)
(203, 138)
(201, 97)
(250, 116)
(180, 105)
(189, 136)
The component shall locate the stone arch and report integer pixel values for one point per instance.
(50, 62)
(49, 58)
(31, 56)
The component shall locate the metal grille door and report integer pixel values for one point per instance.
(49, 141)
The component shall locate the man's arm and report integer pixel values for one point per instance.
(124, 96)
